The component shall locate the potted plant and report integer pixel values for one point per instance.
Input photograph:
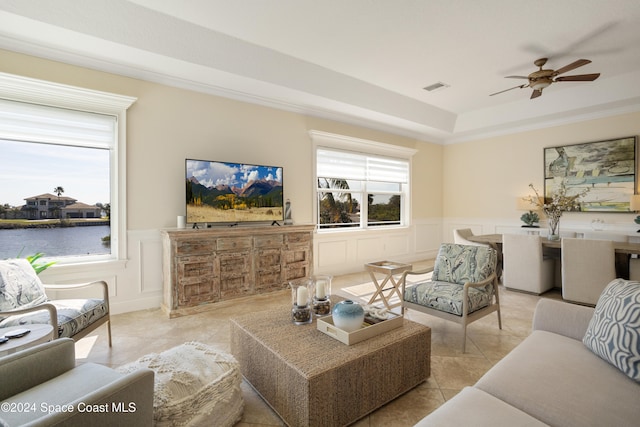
(39, 267)
(530, 219)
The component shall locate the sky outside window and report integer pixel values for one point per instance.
(30, 169)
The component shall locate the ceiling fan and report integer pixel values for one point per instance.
(540, 79)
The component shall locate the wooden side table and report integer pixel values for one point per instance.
(389, 269)
(39, 333)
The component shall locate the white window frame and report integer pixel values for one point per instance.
(345, 143)
(24, 89)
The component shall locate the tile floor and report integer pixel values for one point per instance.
(146, 331)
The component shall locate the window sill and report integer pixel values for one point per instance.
(85, 263)
(362, 230)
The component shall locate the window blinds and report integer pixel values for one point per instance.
(21, 121)
(350, 165)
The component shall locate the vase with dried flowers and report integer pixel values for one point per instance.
(554, 206)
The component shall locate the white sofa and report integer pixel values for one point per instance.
(551, 378)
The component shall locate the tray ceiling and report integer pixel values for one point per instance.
(365, 62)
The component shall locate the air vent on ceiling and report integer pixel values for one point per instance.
(436, 86)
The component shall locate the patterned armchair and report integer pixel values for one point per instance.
(23, 301)
(463, 287)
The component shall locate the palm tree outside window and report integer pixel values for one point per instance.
(358, 190)
(58, 191)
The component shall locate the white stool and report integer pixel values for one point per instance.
(194, 385)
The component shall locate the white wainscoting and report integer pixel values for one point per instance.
(134, 284)
(143, 272)
(616, 224)
(345, 251)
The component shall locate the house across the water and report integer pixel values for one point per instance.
(46, 206)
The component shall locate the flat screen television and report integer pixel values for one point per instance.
(224, 192)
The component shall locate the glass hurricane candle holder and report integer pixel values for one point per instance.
(321, 301)
(301, 297)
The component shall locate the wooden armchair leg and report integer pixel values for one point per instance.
(109, 330)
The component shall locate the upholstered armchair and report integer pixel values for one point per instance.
(463, 287)
(23, 301)
(461, 235)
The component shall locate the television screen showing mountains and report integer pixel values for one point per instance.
(233, 192)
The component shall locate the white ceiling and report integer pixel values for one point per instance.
(358, 61)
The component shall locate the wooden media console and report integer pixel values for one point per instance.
(205, 266)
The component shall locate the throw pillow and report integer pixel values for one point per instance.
(20, 286)
(614, 330)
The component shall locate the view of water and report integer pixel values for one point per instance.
(54, 241)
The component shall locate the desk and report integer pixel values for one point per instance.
(39, 333)
(623, 249)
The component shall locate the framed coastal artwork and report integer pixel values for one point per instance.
(606, 168)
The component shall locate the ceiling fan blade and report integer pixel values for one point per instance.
(535, 94)
(506, 90)
(578, 78)
(587, 38)
(583, 45)
(516, 77)
(572, 66)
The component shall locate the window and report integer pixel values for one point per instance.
(357, 190)
(61, 171)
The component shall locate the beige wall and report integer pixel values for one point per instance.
(482, 179)
(427, 170)
(468, 184)
(167, 124)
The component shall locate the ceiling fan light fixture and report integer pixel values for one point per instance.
(540, 79)
(540, 84)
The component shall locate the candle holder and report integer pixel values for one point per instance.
(321, 301)
(301, 296)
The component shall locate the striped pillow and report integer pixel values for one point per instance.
(614, 330)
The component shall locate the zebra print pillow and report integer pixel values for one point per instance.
(614, 330)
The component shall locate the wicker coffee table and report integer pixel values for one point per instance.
(312, 379)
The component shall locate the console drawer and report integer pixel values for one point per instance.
(270, 240)
(234, 243)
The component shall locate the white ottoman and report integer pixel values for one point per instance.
(194, 385)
